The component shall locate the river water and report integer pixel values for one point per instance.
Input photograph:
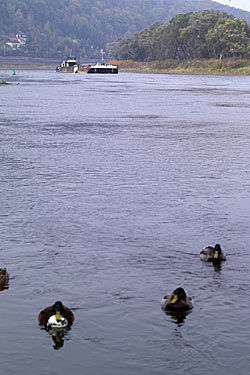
(110, 187)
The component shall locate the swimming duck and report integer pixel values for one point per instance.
(177, 301)
(56, 316)
(4, 276)
(209, 254)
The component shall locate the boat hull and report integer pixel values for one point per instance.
(103, 70)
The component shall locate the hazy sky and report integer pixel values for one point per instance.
(243, 4)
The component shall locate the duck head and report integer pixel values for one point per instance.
(178, 295)
(217, 251)
(58, 310)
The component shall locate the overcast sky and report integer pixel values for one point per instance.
(243, 4)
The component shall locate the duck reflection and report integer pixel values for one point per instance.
(4, 286)
(4, 279)
(57, 337)
(177, 317)
(217, 265)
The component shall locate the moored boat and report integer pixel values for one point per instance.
(71, 65)
(103, 69)
(68, 66)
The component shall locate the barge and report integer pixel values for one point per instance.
(71, 65)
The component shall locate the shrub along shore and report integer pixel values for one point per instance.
(211, 66)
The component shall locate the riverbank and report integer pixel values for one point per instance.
(213, 66)
(27, 63)
(225, 66)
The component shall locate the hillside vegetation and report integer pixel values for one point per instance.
(83, 27)
(195, 35)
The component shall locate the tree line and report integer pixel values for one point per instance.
(83, 27)
(194, 35)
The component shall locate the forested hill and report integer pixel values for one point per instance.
(208, 34)
(83, 27)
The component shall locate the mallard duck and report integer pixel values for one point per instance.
(177, 301)
(209, 254)
(4, 276)
(56, 316)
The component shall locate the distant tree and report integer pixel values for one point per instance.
(228, 39)
(207, 34)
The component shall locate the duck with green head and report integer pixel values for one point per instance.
(212, 254)
(56, 316)
(177, 301)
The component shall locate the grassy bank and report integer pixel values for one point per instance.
(226, 66)
(27, 67)
(27, 63)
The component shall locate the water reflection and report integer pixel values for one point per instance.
(57, 337)
(177, 317)
(217, 265)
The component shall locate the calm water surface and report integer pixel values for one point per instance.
(110, 187)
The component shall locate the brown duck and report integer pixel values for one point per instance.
(4, 276)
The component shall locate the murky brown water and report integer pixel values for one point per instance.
(110, 187)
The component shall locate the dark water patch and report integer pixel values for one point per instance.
(146, 117)
(233, 105)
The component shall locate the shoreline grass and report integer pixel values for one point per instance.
(226, 66)
(26, 67)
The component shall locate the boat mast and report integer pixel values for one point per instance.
(102, 53)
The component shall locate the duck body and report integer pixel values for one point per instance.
(177, 301)
(4, 275)
(57, 315)
(212, 254)
(53, 322)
